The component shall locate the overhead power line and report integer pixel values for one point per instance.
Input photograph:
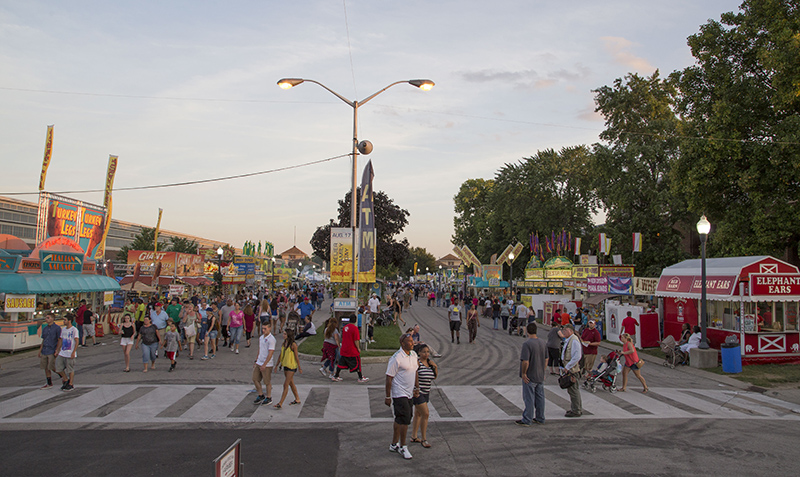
(200, 181)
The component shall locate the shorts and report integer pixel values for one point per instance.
(422, 399)
(554, 355)
(191, 339)
(403, 412)
(289, 370)
(262, 376)
(212, 334)
(65, 364)
(634, 367)
(353, 363)
(48, 361)
(126, 341)
(170, 355)
(88, 330)
(455, 325)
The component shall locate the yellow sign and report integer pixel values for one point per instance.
(584, 271)
(48, 153)
(18, 303)
(108, 298)
(342, 258)
(558, 273)
(534, 273)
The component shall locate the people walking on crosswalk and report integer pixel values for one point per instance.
(171, 344)
(149, 338)
(290, 362)
(426, 373)
(402, 384)
(127, 330)
(571, 357)
(533, 362)
(632, 363)
(350, 352)
(262, 368)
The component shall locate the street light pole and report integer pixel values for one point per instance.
(511, 278)
(703, 228)
(423, 84)
(220, 251)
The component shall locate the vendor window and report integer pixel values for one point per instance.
(785, 316)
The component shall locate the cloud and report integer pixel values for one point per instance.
(619, 47)
(526, 79)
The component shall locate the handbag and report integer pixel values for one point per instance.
(566, 380)
(640, 363)
(190, 330)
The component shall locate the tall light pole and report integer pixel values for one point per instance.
(703, 228)
(366, 148)
(220, 251)
(511, 278)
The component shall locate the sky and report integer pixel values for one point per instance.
(186, 90)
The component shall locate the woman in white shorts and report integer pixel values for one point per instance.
(126, 332)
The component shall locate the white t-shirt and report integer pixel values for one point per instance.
(522, 311)
(265, 345)
(373, 303)
(68, 337)
(455, 313)
(313, 329)
(403, 368)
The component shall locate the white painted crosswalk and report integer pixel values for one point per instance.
(355, 403)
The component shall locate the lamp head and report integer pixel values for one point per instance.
(287, 83)
(511, 255)
(423, 84)
(703, 226)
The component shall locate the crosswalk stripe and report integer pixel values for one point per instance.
(358, 403)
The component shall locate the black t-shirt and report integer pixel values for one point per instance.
(87, 317)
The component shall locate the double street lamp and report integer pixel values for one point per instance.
(365, 148)
(703, 228)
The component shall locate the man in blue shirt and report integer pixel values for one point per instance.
(47, 350)
(305, 309)
(159, 317)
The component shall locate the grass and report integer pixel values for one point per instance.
(387, 341)
(4, 354)
(766, 375)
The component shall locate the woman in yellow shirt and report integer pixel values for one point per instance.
(290, 362)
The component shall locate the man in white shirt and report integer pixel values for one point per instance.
(402, 383)
(262, 369)
(456, 318)
(374, 307)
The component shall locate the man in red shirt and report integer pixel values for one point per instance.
(564, 317)
(590, 339)
(350, 353)
(629, 325)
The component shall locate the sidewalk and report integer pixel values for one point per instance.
(786, 394)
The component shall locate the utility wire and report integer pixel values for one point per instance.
(179, 184)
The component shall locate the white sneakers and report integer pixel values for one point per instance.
(402, 450)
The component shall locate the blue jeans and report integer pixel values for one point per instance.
(533, 396)
(149, 352)
(236, 334)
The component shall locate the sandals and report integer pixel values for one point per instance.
(294, 402)
(277, 406)
(414, 439)
(426, 445)
(127, 370)
(644, 391)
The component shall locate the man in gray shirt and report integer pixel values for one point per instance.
(533, 361)
(225, 318)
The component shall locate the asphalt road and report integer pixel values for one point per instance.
(42, 434)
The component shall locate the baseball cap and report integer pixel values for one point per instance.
(592, 321)
(159, 304)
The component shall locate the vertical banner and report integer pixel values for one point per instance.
(112, 170)
(637, 242)
(577, 246)
(158, 227)
(608, 246)
(366, 221)
(48, 153)
(601, 244)
(342, 257)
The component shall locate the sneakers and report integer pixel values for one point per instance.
(322, 371)
(205, 357)
(237, 351)
(267, 401)
(64, 385)
(522, 423)
(394, 447)
(336, 379)
(231, 348)
(46, 385)
(371, 341)
(573, 414)
(213, 356)
(68, 388)
(259, 399)
(403, 451)
(362, 380)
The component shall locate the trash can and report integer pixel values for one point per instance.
(731, 358)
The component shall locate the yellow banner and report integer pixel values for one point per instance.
(158, 227)
(342, 258)
(48, 153)
(112, 170)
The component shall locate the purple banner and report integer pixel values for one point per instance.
(597, 285)
(366, 232)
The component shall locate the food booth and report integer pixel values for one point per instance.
(753, 298)
(53, 277)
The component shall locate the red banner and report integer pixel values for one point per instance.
(774, 285)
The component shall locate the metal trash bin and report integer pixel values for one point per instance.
(731, 358)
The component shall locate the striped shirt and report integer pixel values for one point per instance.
(426, 377)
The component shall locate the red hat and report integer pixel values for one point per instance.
(159, 304)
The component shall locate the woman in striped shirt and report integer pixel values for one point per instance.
(427, 372)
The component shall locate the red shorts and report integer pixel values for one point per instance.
(170, 355)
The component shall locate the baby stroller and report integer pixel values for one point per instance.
(673, 355)
(605, 374)
(384, 318)
(517, 326)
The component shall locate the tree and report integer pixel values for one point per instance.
(390, 220)
(183, 245)
(548, 191)
(740, 104)
(144, 240)
(421, 257)
(632, 172)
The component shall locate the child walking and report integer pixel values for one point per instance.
(171, 344)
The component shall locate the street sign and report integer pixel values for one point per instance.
(229, 463)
